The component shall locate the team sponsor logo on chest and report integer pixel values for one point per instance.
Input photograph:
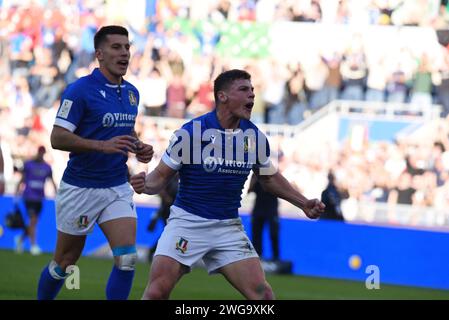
(210, 164)
(118, 119)
(132, 98)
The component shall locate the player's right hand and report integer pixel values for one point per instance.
(137, 181)
(119, 144)
(314, 208)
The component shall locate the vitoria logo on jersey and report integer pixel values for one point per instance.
(241, 167)
(210, 164)
(108, 120)
(118, 119)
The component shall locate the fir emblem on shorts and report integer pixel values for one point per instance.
(181, 245)
(83, 222)
(132, 98)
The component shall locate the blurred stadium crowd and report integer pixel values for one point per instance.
(180, 46)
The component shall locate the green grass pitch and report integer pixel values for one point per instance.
(19, 276)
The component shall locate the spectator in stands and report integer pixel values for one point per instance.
(333, 82)
(380, 189)
(176, 97)
(45, 85)
(443, 85)
(273, 91)
(316, 73)
(402, 193)
(422, 85)
(2, 173)
(295, 98)
(353, 71)
(154, 97)
(20, 50)
(397, 86)
(376, 80)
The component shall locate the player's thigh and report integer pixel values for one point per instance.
(78, 209)
(118, 220)
(120, 232)
(68, 249)
(166, 272)
(246, 275)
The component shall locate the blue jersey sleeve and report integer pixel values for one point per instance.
(72, 108)
(179, 149)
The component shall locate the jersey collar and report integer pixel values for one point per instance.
(216, 124)
(100, 77)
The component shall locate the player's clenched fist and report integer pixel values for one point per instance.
(314, 208)
(144, 152)
(138, 182)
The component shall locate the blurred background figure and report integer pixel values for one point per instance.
(265, 211)
(2, 175)
(31, 187)
(332, 197)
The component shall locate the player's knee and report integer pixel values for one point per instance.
(156, 291)
(126, 257)
(56, 271)
(268, 294)
(67, 259)
(264, 291)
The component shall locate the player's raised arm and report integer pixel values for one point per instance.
(155, 181)
(65, 140)
(277, 185)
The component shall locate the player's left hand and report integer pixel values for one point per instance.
(314, 208)
(137, 181)
(144, 152)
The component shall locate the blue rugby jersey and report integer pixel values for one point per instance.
(93, 108)
(214, 164)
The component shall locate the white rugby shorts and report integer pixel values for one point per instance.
(188, 238)
(78, 209)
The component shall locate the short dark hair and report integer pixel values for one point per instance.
(225, 79)
(101, 34)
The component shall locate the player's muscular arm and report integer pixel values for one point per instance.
(63, 139)
(155, 181)
(277, 185)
